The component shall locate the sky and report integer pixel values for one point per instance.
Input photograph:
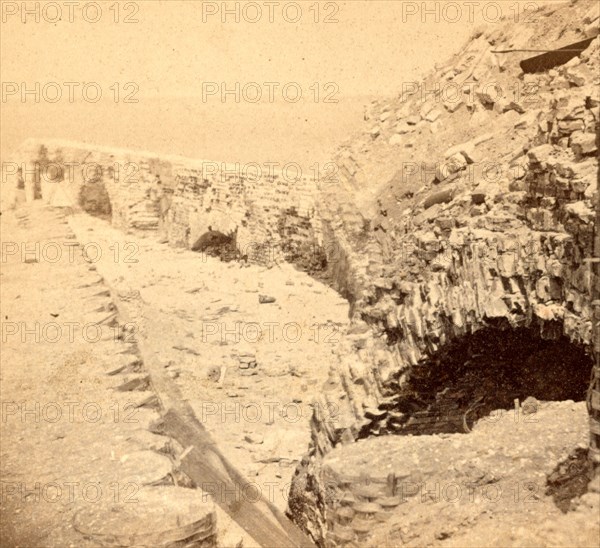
(169, 51)
(176, 57)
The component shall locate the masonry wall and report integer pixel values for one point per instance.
(272, 216)
(269, 215)
(517, 264)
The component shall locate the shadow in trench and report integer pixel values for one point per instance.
(570, 479)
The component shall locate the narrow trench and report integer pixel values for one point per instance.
(449, 392)
(224, 247)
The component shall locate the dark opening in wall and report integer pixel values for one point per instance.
(307, 257)
(93, 196)
(217, 244)
(555, 58)
(481, 373)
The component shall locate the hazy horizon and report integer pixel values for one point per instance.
(169, 57)
(302, 133)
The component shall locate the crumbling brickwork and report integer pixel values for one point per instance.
(483, 218)
(270, 214)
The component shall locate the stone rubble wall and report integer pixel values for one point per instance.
(510, 251)
(265, 214)
(450, 253)
(272, 216)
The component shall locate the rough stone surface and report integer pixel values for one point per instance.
(499, 246)
(271, 215)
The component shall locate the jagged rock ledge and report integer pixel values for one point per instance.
(445, 251)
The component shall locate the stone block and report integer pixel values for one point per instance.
(384, 116)
(404, 127)
(366, 510)
(514, 105)
(468, 150)
(566, 127)
(453, 106)
(445, 223)
(478, 197)
(388, 503)
(375, 132)
(541, 154)
(583, 144)
(581, 210)
(495, 307)
(433, 115)
(344, 515)
(440, 197)
(368, 493)
(425, 110)
(486, 99)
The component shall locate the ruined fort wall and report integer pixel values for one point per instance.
(272, 215)
(466, 251)
(450, 251)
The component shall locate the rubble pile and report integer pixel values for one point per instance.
(461, 212)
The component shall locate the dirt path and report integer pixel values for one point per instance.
(70, 441)
(249, 369)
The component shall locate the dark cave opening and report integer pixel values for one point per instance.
(217, 244)
(480, 373)
(93, 196)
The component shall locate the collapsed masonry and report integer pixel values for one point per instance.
(268, 215)
(477, 241)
